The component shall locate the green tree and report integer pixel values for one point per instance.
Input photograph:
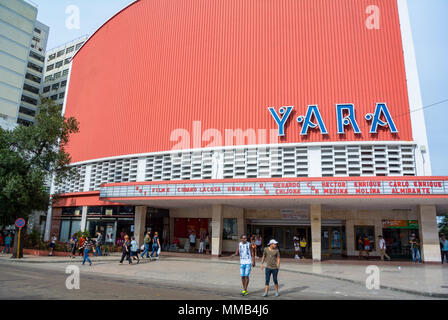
(443, 226)
(29, 158)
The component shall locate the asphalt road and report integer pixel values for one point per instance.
(170, 279)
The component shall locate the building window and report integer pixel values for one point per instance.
(24, 122)
(50, 67)
(31, 89)
(62, 95)
(37, 31)
(57, 75)
(36, 39)
(79, 45)
(29, 100)
(35, 67)
(70, 49)
(65, 72)
(46, 89)
(63, 83)
(27, 111)
(230, 229)
(54, 97)
(33, 78)
(37, 56)
(52, 56)
(55, 86)
(363, 232)
(60, 53)
(67, 61)
(59, 64)
(48, 78)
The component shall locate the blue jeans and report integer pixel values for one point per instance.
(146, 250)
(86, 256)
(416, 255)
(98, 251)
(274, 273)
(155, 248)
(6, 246)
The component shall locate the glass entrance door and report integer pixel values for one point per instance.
(332, 240)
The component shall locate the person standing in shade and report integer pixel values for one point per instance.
(126, 250)
(207, 243)
(134, 250)
(201, 242)
(296, 248)
(8, 241)
(147, 243)
(99, 238)
(87, 246)
(444, 248)
(247, 261)
(272, 257)
(52, 244)
(192, 241)
(303, 245)
(382, 244)
(73, 241)
(155, 245)
(415, 248)
(259, 243)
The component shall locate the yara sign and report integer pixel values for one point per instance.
(281, 118)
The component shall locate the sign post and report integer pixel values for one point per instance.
(20, 223)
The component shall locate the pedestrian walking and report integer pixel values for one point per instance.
(272, 257)
(192, 240)
(207, 243)
(8, 242)
(87, 246)
(296, 248)
(415, 248)
(382, 244)
(73, 242)
(360, 246)
(52, 244)
(247, 261)
(444, 247)
(146, 243)
(155, 246)
(126, 250)
(99, 239)
(367, 246)
(259, 243)
(81, 245)
(303, 245)
(134, 250)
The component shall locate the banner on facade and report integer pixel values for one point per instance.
(400, 224)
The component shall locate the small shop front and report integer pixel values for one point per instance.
(397, 234)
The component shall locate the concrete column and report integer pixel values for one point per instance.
(217, 225)
(172, 222)
(139, 224)
(316, 226)
(84, 219)
(429, 234)
(241, 223)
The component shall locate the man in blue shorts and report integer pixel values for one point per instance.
(247, 261)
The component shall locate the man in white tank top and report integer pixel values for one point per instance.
(247, 260)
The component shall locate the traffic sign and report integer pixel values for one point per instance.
(20, 223)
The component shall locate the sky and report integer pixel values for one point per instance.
(429, 28)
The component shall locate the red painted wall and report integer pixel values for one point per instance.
(160, 65)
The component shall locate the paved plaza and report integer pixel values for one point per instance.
(198, 277)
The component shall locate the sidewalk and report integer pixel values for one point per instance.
(430, 280)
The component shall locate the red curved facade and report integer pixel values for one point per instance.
(160, 65)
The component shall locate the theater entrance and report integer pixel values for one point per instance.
(284, 235)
